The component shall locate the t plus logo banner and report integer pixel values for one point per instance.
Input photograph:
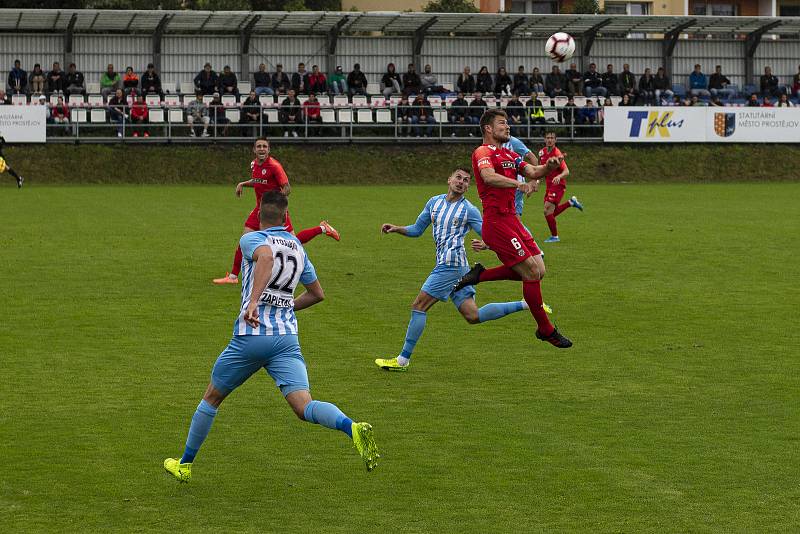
(654, 124)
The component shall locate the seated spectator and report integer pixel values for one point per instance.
(197, 111)
(60, 112)
(37, 80)
(556, 83)
(300, 80)
(139, 116)
(422, 113)
(698, 84)
(390, 82)
(521, 82)
(753, 102)
(466, 82)
(569, 113)
(516, 115)
(429, 82)
(216, 112)
(118, 110)
(593, 83)
(17, 79)
(610, 81)
(796, 83)
(626, 100)
(411, 81)
(291, 113)
(280, 81)
(5, 100)
(627, 83)
(784, 102)
(55, 79)
(357, 81)
(647, 88)
(130, 81)
(537, 81)
(502, 82)
(766, 102)
(484, 83)
(151, 82)
(312, 113)
(695, 101)
(206, 81)
(404, 114)
(251, 109)
(228, 83)
(457, 113)
(769, 84)
(574, 80)
(338, 82)
(317, 82)
(535, 110)
(110, 81)
(718, 84)
(601, 114)
(587, 115)
(663, 89)
(41, 100)
(74, 81)
(715, 102)
(476, 108)
(262, 81)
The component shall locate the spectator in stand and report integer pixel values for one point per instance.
(484, 83)
(55, 79)
(357, 81)
(139, 115)
(647, 88)
(587, 115)
(574, 80)
(457, 113)
(537, 81)
(516, 115)
(476, 109)
(151, 82)
(312, 113)
(521, 82)
(280, 81)
(42, 101)
(429, 82)
(422, 113)
(130, 81)
(627, 83)
(17, 79)
(610, 81)
(197, 111)
(390, 82)
(784, 102)
(300, 80)
(251, 109)
(769, 84)
(593, 83)
(502, 83)
(766, 102)
(626, 100)
(74, 81)
(556, 83)
(601, 113)
(338, 82)
(37, 80)
(117, 109)
(411, 81)
(796, 83)
(715, 102)
(662, 87)
(695, 101)
(534, 110)
(570, 111)
(60, 112)
(216, 111)
(466, 82)
(206, 81)
(698, 83)
(291, 113)
(228, 83)
(404, 114)
(317, 81)
(718, 84)
(262, 81)
(753, 102)
(110, 81)
(5, 100)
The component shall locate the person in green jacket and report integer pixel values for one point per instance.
(110, 81)
(338, 82)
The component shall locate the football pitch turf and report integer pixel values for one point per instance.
(676, 410)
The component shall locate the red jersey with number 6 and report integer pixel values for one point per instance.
(267, 176)
(544, 155)
(505, 162)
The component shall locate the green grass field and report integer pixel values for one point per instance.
(676, 410)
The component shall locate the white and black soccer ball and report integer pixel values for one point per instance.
(560, 47)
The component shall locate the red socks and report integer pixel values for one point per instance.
(237, 262)
(551, 222)
(308, 234)
(561, 208)
(532, 292)
(499, 273)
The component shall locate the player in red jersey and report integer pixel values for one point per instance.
(267, 174)
(556, 186)
(496, 170)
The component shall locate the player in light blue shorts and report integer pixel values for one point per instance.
(452, 217)
(265, 337)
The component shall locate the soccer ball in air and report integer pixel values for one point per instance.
(560, 47)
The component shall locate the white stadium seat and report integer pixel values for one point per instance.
(19, 100)
(328, 115)
(228, 100)
(271, 115)
(175, 115)
(364, 116)
(345, 115)
(153, 100)
(172, 100)
(156, 115)
(232, 114)
(96, 100)
(244, 87)
(78, 115)
(383, 116)
(98, 115)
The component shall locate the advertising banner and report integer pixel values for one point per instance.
(23, 124)
(753, 125)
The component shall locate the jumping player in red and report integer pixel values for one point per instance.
(496, 170)
(556, 186)
(267, 174)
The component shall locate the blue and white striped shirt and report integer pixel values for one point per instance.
(519, 147)
(451, 222)
(276, 304)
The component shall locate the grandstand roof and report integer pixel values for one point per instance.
(308, 23)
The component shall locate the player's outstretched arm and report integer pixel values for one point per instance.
(264, 262)
(313, 295)
(490, 177)
(387, 228)
(240, 185)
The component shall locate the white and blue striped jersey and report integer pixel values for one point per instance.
(276, 304)
(519, 147)
(451, 221)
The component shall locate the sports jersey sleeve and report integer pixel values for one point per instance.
(519, 161)
(309, 274)
(280, 174)
(483, 158)
(423, 221)
(249, 243)
(475, 220)
(519, 147)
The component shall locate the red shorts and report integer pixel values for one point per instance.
(507, 237)
(253, 222)
(554, 195)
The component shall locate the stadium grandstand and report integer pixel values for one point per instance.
(189, 76)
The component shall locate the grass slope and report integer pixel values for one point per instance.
(676, 410)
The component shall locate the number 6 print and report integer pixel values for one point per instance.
(516, 243)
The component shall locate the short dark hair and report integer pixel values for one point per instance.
(273, 207)
(262, 138)
(489, 115)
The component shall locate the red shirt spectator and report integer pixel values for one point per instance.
(139, 110)
(317, 83)
(60, 111)
(311, 108)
